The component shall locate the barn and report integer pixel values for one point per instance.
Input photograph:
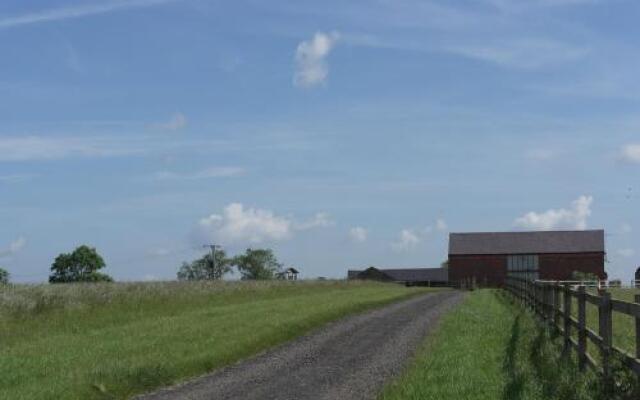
(489, 257)
(406, 276)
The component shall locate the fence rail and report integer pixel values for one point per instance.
(553, 301)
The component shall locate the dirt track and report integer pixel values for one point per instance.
(349, 359)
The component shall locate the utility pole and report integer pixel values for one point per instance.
(213, 248)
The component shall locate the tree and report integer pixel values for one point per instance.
(4, 277)
(204, 268)
(81, 265)
(259, 264)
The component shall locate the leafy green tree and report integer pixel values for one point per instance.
(259, 264)
(81, 265)
(4, 277)
(205, 268)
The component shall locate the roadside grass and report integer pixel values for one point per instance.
(623, 325)
(490, 348)
(111, 341)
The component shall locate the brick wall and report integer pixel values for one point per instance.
(491, 270)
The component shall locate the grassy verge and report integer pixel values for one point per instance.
(623, 325)
(115, 340)
(491, 349)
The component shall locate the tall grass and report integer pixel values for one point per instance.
(491, 349)
(106, 341)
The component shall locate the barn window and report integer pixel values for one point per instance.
(523, 266)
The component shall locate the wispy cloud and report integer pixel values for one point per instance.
(14, 247)
(16, 178)
(320, 220)
(77, 11)
(17, 148)
(631, 153)
(176, 122)
(407, 240)
(522, 53)
(311, 66)
(213, 172)
(358, 234)
(626, 253)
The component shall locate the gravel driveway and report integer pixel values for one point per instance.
(348, 359)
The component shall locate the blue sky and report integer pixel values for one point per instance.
(341, 134)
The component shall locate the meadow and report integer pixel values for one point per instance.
(111, 341)
(492, 348)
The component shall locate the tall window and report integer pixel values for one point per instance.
(523, 266)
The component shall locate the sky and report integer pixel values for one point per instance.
(340, 134)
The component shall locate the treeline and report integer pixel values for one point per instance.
(84, 264)
(253, 264)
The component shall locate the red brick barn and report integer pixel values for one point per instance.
(552, 255)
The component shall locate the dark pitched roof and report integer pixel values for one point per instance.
(292, 270)
(539, 242)
(410, 274)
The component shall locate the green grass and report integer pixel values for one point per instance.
(624, 336)
(489, 348)
(115, 340)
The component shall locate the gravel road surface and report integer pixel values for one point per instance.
(349, 359)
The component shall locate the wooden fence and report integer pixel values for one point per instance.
(553, 302)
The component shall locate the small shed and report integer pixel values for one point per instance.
(291, 274)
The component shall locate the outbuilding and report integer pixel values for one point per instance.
(489, 257)
(406, 276)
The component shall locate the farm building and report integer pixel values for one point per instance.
(407, 276)
(552, 255)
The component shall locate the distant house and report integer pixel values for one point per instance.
(407, 276)
(290, 274)
(638, 277)
(489, 257)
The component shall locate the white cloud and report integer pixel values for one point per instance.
(16, 148)
(626, 253)
(62, 13)
(441, 225)
(237, 224)
(176, 122)
(213, 172)
(311, 66)
(14, 247)
(320, 220)
(407, 241)
(572, 218)
(631, 153)
(358, 234)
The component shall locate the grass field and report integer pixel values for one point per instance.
(114, 340)
(624, 328)
(490, 349)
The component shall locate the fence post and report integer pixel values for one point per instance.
(582, 328)
(547, 304)
(567, 319)
(556, 305)
(605, 327)
(637, 299)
